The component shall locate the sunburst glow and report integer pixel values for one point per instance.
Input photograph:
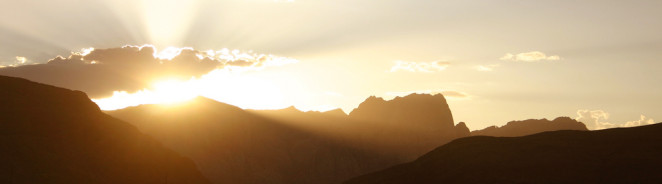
(229, 86)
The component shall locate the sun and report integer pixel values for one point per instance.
(161, 92)
(173, 91)
(243, 90)
(226, 86)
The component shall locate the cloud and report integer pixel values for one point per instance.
(420, 66)
(486, 68)
(642, 121)
(457, 95)
(532, 56)
(19, 60)
(99, 72)
(596, 120)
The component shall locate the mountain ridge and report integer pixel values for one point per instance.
(55, 135)
(619, 155)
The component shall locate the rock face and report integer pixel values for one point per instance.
(621, 155)
(413, 110)
(55, 135)
(531, 126)
(410, 125)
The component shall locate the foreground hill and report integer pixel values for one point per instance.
(622, 155)
(55, 135)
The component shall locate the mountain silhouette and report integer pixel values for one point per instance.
(416, 109)
(621, 155)
(411, 125)
(55, 135)
(232, 145)
(531, 126)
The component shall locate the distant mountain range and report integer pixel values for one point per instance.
(621, 155)
(232, 145)
(54, 135)
(531, 126)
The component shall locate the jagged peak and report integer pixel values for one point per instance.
(413, 97)
(415, 107)
(563, 118)
(374, 98)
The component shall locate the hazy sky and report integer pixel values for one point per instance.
(496, 61)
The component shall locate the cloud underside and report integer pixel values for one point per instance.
(131, 68)
(425, 67)
(597, 119)
(533, 56)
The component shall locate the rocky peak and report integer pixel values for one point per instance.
(422, 109)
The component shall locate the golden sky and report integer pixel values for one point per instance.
(495, 61)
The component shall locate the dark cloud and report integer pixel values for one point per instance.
(131, 68)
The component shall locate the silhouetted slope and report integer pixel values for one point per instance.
(55, 135)
(531, 126)
(231, 145)
(622, 155)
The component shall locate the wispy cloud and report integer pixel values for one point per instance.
(597, 119)
(18, 61)
(532, 56)
(427, 67)
(642, 121)
(21, 60)
(486, 68)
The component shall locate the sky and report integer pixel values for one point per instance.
(495, 61)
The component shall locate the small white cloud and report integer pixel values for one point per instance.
(426, 67)
(486, 68)
(508, 56)
(642, 121)
(18, 61)
(532, 56)
(596, 120)
(21, 60)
